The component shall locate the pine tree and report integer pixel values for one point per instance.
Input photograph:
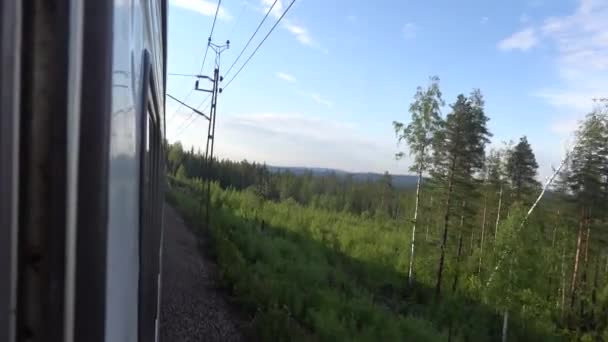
(521, 169)
(459, 150)
(418, 134)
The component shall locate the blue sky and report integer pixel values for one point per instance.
(325, 87)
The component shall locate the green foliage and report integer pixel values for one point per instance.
(459, 146)
(181, 172)
(425, 121)
(589, 161)
(175, 157)
(314, 274)
(521, 169)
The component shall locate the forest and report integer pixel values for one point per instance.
(481, 249)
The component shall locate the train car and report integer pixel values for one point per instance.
(82, 130)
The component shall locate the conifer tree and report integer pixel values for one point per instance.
(521, 169)
(459, 150)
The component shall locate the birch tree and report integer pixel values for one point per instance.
(425, 113)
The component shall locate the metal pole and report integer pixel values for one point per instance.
(216, 80)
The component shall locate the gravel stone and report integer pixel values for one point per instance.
(193, 308)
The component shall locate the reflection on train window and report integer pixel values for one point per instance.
(150, 223)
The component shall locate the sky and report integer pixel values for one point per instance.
(325, 87)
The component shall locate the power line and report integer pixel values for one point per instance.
(203, 102)
(194, 118)
(262, 42)
(241, 68)
(186, 126)
(251, 38)
(177, 74)
(217, 10)
(183, 128)
(187, 106)
(238, 18)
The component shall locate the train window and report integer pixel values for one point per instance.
(151, 204)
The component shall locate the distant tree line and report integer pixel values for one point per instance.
(329, 191)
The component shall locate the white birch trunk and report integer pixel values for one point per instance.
(563, 286)
(576, 262)
(410, 272)
(505, 325)
(428, 223)
(483, 230)
(498, 214)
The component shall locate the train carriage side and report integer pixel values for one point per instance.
(81, 145)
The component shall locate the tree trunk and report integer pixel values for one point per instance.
(398, 209)
(505, 325)
(428, 223)
(446, 221)
(584, 284)
(555, 231)
(586, 259)
(483, 231)
(552, 275)
(563, 286)
(410, 272)
(459, 252)
(576, 260)
(594, 290)
(498, 214)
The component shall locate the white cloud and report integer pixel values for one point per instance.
(580, 41)
(409, 31)
(573, 97)
(286, 77)
(277, 10)
(203, 7)
(318, 99)
(300, 32)
(296, 139)
(521, 40)
(484, 20)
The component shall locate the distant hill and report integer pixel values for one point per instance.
(400, 181)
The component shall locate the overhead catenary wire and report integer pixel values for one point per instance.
(203, 102)
(260, 44)
(251, 38)
(185, 75)
(189, 123)
(193, 118)
(194, 110)
(217, 10)
(249, 58)
(238, 17)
